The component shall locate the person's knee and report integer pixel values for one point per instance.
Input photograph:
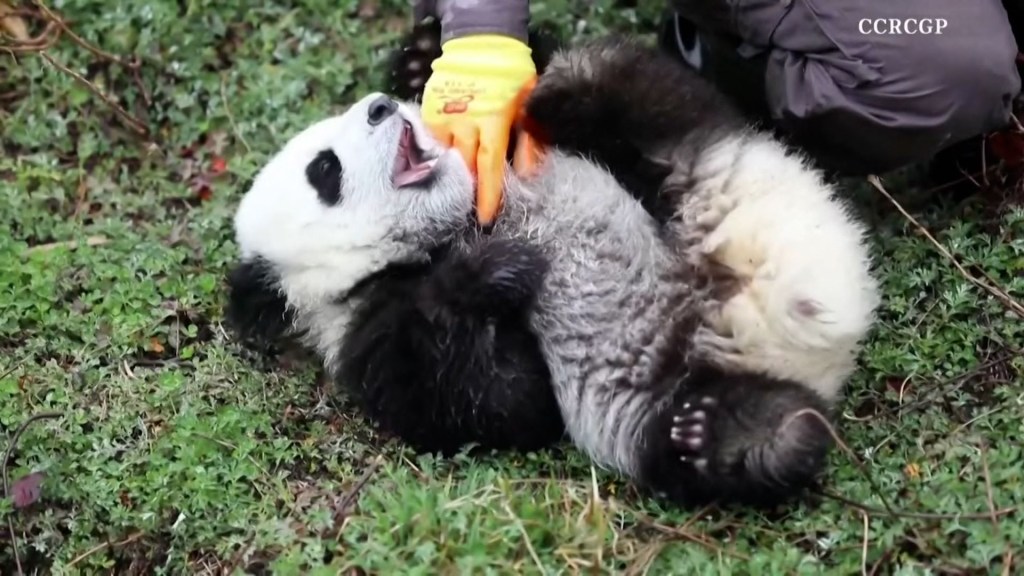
(979, 82)
(925, 99)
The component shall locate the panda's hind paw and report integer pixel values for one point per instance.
(690, 433)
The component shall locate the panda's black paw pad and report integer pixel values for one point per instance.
(690, 431)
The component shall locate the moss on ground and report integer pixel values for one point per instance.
(175, 452)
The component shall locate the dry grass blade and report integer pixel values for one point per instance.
(526, 537)
(864, 545)
(995, 291)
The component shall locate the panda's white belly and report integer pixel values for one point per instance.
(608, 305)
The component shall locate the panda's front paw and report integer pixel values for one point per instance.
(410, 64)
(708, 343)
(496, 276)
(690, 433)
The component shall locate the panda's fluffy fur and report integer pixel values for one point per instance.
(676, 291)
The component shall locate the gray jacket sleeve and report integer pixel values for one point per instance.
(465, 17)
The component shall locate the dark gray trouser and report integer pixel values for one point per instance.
(860, 101)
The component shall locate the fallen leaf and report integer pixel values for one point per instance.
(368, 9)
(1008, 147)
(13, 24)
(898, 384)
(26, 490)
(912, 470)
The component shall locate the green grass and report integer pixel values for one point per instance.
(175, 452)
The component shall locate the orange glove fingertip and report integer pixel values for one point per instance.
(527, 155)
(494, 137)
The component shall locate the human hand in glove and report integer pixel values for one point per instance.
(473, 102)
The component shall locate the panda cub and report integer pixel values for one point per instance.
(674, 290)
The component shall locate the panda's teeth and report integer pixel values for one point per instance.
(413, 165)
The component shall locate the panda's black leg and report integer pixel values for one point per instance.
(736, 438)
(617, 102)
(446, 357)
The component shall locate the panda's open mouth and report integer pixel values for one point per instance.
(412, 165)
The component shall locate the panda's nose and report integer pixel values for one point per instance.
(380, 109)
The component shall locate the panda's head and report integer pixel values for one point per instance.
(342, 200)
(351, 194)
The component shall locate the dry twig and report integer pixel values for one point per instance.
(990, 499)
(11, 445)
(888, 510)
(348, 500)
(231, 117)
(90, 241)
(995, 291)
(679, 532)
(13, 21)
(846, 449)
(107, 544)
(919, 515)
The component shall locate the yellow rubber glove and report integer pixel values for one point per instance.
(473, 101)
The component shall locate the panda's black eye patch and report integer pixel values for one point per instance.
(324, 175)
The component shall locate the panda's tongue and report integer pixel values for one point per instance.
(414, 174)
(410, 167)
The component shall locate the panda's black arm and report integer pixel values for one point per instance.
(444, 357)
(256, 310)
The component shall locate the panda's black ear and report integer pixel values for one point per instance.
(257, 310)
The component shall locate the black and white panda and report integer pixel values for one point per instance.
(673, 289)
